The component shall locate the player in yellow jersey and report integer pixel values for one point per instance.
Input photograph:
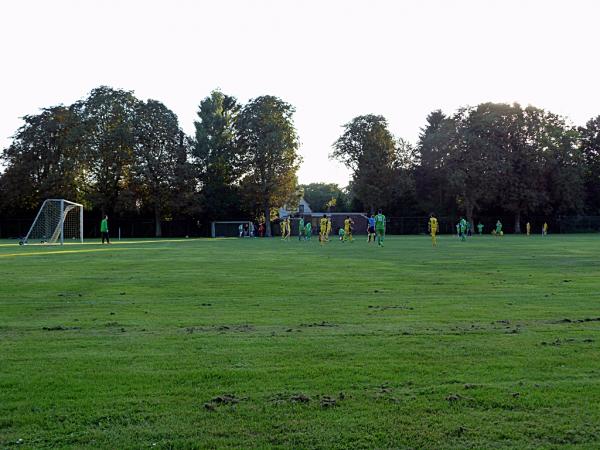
(432, 226)
(283, 225)
(528, 227)
(288, 229)
(348, 222)
(328, 229)
(323, 228)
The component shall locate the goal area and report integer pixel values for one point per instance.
(231, 228)
(57, 220)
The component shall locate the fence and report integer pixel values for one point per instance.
(128, 228)
(135, 227)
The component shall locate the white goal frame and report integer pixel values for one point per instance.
(57, 229)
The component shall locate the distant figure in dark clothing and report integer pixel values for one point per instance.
(104, 230)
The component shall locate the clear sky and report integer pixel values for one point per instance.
(331, 59)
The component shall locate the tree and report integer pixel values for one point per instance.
(369, 150)
(431, 172)
(43, 161)
(590, 148)
(156, 154)
(473, 160)
(319, 195)
(217, 157)
(268, 145)
(108, 118)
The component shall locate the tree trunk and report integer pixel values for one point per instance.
(469, 211)
(158, 229)
(518, 223)
(267, 221)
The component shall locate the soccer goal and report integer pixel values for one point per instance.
(56, 221)
(231, 228)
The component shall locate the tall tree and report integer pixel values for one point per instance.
(44, 160)
(590, 147)
(564, 163)
(268, 143)
(156, 153)
(108, 116)
(369, 150)
(431, 172)
(217, 157)
(473, 159)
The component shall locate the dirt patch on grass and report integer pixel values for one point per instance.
(60, 328)
(70, 294)
(222, 400)
(245, 328)
(322, 324)
(566, 320)
(386, 307)
(325, 401)
(558, 342)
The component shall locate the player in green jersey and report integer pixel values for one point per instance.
(499, 228)
(480, 228)
(462, 224)
(301, 228)
(308, 231)
(104, 230)
(380, 227)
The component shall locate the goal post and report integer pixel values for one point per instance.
(56, 221)
(231, 228)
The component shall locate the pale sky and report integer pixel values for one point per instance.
(333, 60)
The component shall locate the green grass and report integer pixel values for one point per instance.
(492, 343)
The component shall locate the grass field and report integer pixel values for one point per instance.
(492, 343)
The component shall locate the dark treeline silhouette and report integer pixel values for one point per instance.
(130, 159)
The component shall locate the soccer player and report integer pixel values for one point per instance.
(432, 226)
(528, 228)
(308, 231)
(328, 230)
(480, 228)
(371, 229)
(499, 228)
(288, 229)
(301, 228)
(545, 229)
(380, 227)
(283, 224)
(104, 230)
(323, 229)
(463, 229)
(348, 222)
(342, 234)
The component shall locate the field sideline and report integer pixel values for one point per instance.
(259, 343)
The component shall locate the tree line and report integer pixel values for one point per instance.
(493, 159)
(119, 155)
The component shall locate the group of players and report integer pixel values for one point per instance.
(376, 229)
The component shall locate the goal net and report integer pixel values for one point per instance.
(232, 228)
(56, 221)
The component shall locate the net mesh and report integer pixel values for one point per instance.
(232, 229)
(56, 217)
